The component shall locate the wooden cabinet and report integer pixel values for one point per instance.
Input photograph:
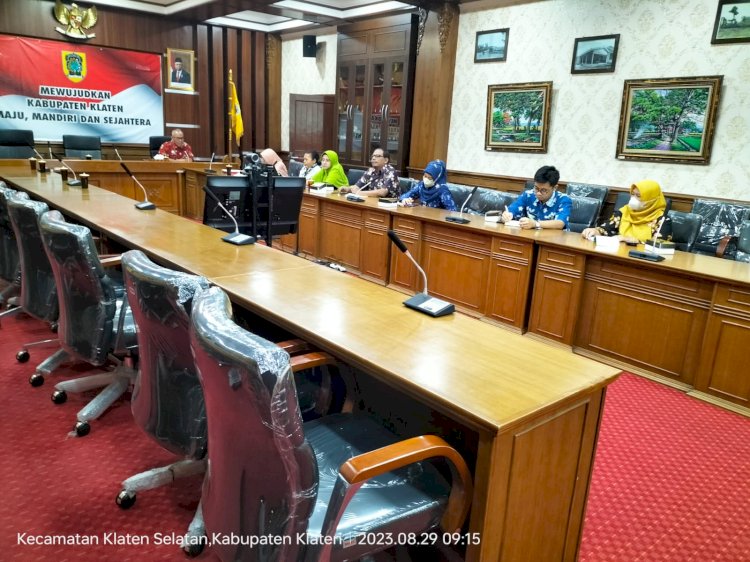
(403, 273)
(373, 93)
(194, 194)
(308, 226)
(508, 286)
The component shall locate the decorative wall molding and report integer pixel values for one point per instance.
(446, 16)
(273, 49)
(423, 13)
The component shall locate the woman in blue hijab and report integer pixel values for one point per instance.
(432, 190)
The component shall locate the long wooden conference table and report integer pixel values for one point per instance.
(528, 412)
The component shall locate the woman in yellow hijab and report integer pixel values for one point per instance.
(640, 218)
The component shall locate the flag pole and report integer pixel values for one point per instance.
(228, 158)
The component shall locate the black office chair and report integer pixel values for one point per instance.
(82, 146)
(353, 175)
(339, 478)
(583, 213)
(167, 400)
(38, 291)
(720, 227)
(154, 144)
(16, 143)
(295, 167)
(743, 243)
(9, 257)
(95, 323)
(685, 229)
(624, 196)
(588, 190)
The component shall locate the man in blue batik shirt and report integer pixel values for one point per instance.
(543, 206)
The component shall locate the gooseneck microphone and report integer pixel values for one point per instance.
(32, 147)
(422, 302)
(118, 154)
(236, 237)
(75, 181)
(144, 205)
(210, 165)
(460, 218)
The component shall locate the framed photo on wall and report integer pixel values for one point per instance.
(595, 54)
(669, 119)
(181, 69)
(518, 117)
(491, 46)
(732, 23)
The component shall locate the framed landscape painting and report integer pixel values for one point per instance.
(595, 54)
(491, 46)
(669, 119)
(732, 23)
(518, 117)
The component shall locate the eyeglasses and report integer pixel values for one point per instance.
(542, 190)
(378, 155)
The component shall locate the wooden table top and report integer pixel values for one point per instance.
(486, 376)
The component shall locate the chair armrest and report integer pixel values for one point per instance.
(294, 346)
(724, 248)
(310, 360)
(361, 468)
(111, 260)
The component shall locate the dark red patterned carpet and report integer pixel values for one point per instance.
(671, 480)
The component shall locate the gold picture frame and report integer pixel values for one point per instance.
(182, 78)
(518, 117)
(669, 119)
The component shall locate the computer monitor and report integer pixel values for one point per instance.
(234, 194)
(287, 202)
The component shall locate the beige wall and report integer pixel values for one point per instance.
(669, 38)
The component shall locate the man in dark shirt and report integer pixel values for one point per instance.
(179, 75)
(379, 181)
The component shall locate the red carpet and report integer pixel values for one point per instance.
(671, 480)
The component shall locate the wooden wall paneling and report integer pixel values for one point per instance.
(259, 129)
(341, 234)
(457, 264)
(202, 139)
(672, 312)
(310, 123)
(308, 225)
(557, 292)
(432, 98)
(217, 83)
(403, 274)
(725, 346)
(508, 284)
(273, 87)
(376, 246)
(245, 85)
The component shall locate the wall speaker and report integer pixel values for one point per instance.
(309, 46)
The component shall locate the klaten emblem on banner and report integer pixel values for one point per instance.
(77, 19)
(74, 65)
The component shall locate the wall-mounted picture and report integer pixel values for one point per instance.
(595, 54)
(518, 117)
(491, 46)
(181, 69)
(732, 23)
(669, 119)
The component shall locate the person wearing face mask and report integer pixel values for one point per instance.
(381, 180)
(331, 172)
(543, 206)
(640, 219)
(432, 191)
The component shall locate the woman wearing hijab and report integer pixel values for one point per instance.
(270, 157)
(432, 191)
(331, 172)
(640, 219)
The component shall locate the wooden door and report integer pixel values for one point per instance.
(311, 123)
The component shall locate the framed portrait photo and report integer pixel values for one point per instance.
(595, 54)
(732, 23)
(181, 69)
(518, 117)
(669, 119)
(491, 46)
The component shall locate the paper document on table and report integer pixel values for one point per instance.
(513, 224)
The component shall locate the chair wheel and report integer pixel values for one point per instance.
(59, 397)
(125, 499)
(82, 429)
(36, 379)
(53, 327)
(22, 356)
(193, 550)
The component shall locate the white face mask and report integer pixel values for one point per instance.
(428, 182)
(635, 203)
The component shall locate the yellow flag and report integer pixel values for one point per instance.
(237, 127)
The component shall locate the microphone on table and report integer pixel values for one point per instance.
(460, 218)
(118, 154)
(49, 148)
(422, 302)
(210, 165)
(32, 147)
(144, 205)
(75, 181)
(357, 198)
(236, 237)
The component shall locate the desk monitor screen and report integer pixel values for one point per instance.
(233, 192)
(287, 202)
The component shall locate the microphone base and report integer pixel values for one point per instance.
(430, 305)
(239, 239)
(458, 220)
(145, 206)
(74, 183)
(209, 171)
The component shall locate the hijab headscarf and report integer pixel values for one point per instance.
(437, 170)
(272, 159)
(638, 224)
(335, 175)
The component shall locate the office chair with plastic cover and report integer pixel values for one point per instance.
(330, 480)
(295, 167)
(38, 291)
(583, 212)
(95, 324)
(720, 227)
(743, 243)
(9, 258)
(16, 143)
(154, 144)
(685, 229)
(82, 146)
(167, 400)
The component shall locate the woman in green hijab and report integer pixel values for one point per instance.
(331, 172)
